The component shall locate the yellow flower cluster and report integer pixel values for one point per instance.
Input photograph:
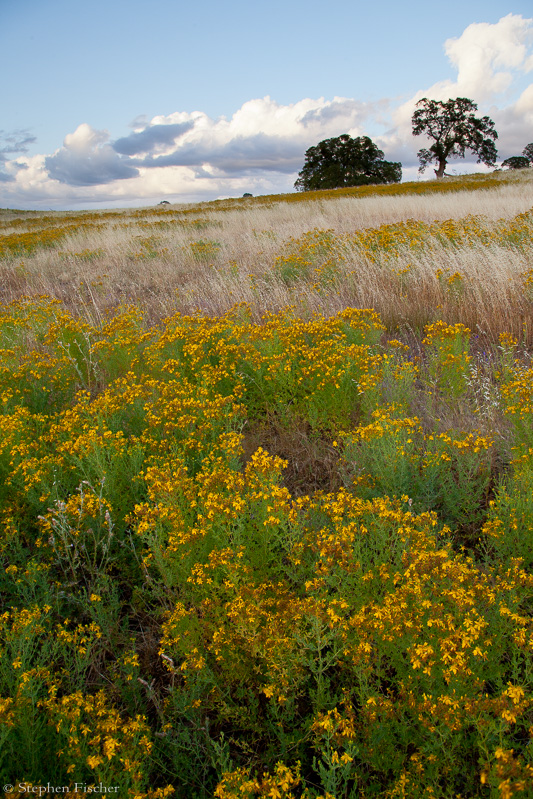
(184, 611)
(321, 249)
(47, 236)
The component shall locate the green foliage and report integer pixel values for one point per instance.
(516, 162)
(528, 152)
(508, 531)
(454, 129)
(344, 161)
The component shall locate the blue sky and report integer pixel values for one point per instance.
(120, 103)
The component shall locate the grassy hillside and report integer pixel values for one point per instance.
(266, 495)
(452, 252)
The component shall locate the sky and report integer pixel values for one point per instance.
(118, 103)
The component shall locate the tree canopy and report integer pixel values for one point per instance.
(516, 162)
(520, 161)
(527, 152)
(343, 161)
(454, 129)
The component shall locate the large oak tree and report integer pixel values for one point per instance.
(344, 161)
(454, 129)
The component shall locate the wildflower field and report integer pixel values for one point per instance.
(266, 496)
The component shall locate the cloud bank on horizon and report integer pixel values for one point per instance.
(260, 149)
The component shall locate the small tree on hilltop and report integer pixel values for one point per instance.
(344, 161)
(516, 162)
(454, 129)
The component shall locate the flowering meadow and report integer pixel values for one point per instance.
(279, 546)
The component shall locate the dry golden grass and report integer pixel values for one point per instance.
(211, 256)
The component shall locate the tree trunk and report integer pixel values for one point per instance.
(442, 166)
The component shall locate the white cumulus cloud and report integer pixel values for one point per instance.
(486, 56)
(87, 159)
